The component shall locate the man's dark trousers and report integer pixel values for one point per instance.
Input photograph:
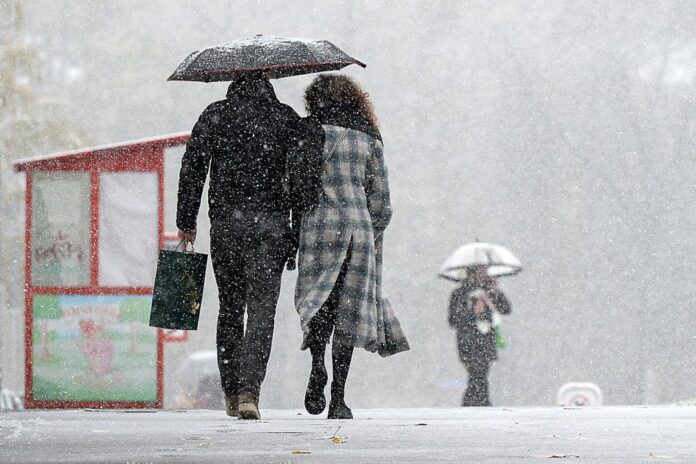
(248, 252)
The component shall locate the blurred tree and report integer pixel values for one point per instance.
(30, 123)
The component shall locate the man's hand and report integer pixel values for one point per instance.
(187, 236)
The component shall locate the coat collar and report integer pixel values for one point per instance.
(348, 119)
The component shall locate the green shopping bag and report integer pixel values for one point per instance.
(499, 339)
(176, 298)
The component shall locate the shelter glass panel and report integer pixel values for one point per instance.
(128, 229)
(60, 229)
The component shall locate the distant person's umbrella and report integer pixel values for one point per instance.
(273, 56)
(497, 259)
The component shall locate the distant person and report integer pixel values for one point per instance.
(244, 141)
(474, 312)
(339, 286)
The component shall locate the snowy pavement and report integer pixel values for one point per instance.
(472, 435)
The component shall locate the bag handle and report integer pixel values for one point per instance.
(333, 149)
(286, 179)
(184, 250)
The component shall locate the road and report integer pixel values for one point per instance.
(464, 435)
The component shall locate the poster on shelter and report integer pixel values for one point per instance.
(93, 348)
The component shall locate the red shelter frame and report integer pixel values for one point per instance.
(137, 156)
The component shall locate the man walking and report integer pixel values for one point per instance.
(474, 311)
(244, 140)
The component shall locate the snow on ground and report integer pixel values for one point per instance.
(471, 435)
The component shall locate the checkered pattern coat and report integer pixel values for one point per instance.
(354, 208)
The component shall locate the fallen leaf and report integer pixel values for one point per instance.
(335, 439)
(660, 456)
(300, 452)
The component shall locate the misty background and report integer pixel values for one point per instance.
(563, 130)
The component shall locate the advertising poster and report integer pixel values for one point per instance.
(93, 348)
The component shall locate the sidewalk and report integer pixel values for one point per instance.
(472, 435)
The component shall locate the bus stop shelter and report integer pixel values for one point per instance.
(95, 221)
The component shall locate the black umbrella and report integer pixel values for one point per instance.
(274, 56)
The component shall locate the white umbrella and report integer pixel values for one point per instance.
(499, 260)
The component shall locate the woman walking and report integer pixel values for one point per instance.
(339, 287)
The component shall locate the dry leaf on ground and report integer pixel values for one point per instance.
(660, 456)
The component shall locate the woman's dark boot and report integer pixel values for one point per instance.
(342, 356)
(315, 401)
(338, 409)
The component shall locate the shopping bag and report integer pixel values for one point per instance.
(176, 298)
(499, 339)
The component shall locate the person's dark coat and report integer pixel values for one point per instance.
(474, 345)
(245, 140)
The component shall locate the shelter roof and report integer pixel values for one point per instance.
(141, 147)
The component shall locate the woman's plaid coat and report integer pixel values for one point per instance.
(353, 211)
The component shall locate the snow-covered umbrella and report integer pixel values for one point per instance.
(270, 55)
(496, 258)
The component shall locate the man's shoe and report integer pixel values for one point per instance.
(249, 406)
(314, 400)
(232, 405)
(339, 410)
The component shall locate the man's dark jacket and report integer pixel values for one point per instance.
(245, 139)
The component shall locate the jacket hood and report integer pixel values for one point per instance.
(251, 87)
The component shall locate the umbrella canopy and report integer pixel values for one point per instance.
(499, 260)
(275, 56)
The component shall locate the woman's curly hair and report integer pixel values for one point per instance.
(338, 92)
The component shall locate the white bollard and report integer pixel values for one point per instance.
(580, 394)
(10, 401)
